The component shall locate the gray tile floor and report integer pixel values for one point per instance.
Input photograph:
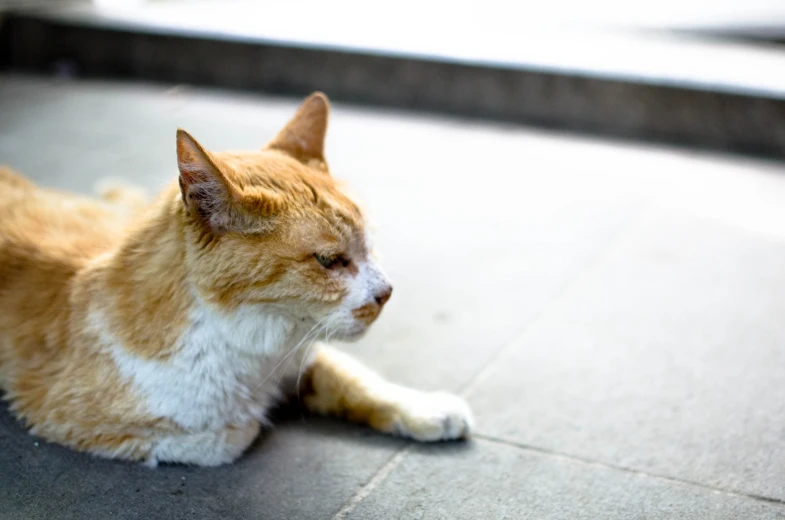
(614, 313)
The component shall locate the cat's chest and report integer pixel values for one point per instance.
(227, 371)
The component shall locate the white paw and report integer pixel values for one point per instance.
(434, 416)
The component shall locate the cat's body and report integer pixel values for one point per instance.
(167, 334)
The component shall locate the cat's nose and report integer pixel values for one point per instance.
(383, 295)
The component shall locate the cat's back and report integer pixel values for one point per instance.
(46, 236)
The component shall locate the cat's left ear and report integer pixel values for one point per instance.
(303, 136)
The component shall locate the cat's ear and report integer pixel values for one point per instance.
(206, 192)
(303, 136)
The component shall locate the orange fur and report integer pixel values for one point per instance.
(85, 288)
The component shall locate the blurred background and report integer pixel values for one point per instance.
(689, 72)
(581, 205)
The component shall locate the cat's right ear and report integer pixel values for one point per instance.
(206, 191)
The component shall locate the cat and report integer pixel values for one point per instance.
(165, 333)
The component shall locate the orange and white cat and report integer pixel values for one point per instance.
(168, 335)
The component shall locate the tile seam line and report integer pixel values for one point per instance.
(632, 471)
(381, 475)
(374, 482)
(621, 238)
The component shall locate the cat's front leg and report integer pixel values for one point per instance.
(337, 384)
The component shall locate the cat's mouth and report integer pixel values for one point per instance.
(350, 324)
(367, 314)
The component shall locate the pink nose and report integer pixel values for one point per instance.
(383, 295)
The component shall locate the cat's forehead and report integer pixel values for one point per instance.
(330, 219)
(267, 168)
(311, 199)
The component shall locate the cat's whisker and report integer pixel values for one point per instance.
(327, 340)
(287, 356)
(216, 271)
(313, 334)
(305, 358)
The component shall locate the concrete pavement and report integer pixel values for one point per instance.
(614, 313)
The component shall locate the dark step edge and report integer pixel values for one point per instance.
(88, 16)
(749, 123)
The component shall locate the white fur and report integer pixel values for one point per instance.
(370, 280)
(222, 372)
(432, 416)
(363, 288)
(226, 374)
(205, 448)
(423, 416)
(227, 370)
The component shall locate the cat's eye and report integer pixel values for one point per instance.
(331, 261)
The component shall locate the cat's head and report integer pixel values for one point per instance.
(273, 229)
